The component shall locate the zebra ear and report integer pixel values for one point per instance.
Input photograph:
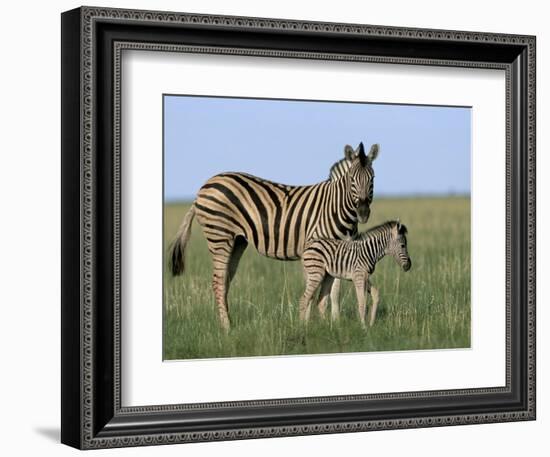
(361, 154)
(349, 153)
(373, 153)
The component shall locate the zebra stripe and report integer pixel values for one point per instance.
(235, 209)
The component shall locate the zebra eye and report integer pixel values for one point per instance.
(402, 246)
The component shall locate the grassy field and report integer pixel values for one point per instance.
(425, 308)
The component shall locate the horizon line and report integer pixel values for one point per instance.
(382, 196)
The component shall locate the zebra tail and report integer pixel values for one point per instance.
(177, 254)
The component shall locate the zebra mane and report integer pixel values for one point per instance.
(339, 168)
(386, 226)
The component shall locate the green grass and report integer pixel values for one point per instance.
(425, 308)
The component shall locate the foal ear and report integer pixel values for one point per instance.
(349, 153)
(401, 229)
(373, 153)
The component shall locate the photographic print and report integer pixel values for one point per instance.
(314, 227)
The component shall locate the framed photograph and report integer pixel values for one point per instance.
(273, 227)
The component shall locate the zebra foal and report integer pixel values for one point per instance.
(325, 260)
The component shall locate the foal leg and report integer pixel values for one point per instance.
(375, 300)
(359, 282)
(312, 283)
(326, 286)
(334, 299)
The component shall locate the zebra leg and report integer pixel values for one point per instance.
(359, 282)
(232, 264)
(375, 300)
(221, 251)
(326, 286)
(335, 299)
(312, 283)
(240, 246)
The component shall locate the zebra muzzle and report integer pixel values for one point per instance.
(363, 213)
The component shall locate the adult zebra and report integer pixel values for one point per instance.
(235, 209)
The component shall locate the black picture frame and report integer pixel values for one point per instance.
(92, 415)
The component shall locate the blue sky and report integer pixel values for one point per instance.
(423, 149)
